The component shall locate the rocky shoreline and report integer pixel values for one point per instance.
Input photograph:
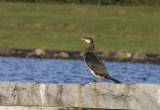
(107, 56)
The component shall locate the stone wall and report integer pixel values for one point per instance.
(92, 95)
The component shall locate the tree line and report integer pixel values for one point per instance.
(96, 2)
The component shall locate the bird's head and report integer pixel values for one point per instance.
(87, 40)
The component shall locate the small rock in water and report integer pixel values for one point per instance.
(105, 55)
(55, 55)
(63, 55)
(138, 56)
(30, 54)
(40, 52)
(81, 54)
(77, 56)
(122, 56)
(7, 51)
(158, 58)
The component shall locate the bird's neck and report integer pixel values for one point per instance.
(90, 48)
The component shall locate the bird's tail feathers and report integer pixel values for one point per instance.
(115, 80)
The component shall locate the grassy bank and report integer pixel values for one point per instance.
(60, 27)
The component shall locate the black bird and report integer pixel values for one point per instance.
(94, 64)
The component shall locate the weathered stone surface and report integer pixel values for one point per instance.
(158, 57)
(55, 55)
(40, 52)
(34, 108)
(92, 95)
(45, 108)
(138, 56)
(122, 96)
(63, 55)
(119, 56)
(77, 56)
(105, 55)
(30, 54)
(7, 52)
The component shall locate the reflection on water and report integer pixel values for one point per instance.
(73, 71)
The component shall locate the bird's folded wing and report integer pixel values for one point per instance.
(94, 63)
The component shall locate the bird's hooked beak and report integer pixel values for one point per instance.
(86, 40)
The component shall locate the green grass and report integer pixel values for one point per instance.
(60, 27)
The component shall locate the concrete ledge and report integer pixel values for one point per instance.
(92, 95)
(47, 108)
(29, 108)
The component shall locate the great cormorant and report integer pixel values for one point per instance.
(94, 64)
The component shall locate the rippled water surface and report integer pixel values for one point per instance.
(73, 71)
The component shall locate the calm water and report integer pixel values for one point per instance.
(73, 71)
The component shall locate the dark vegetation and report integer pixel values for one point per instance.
(96, 2)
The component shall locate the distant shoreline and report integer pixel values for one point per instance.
(106, 56)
